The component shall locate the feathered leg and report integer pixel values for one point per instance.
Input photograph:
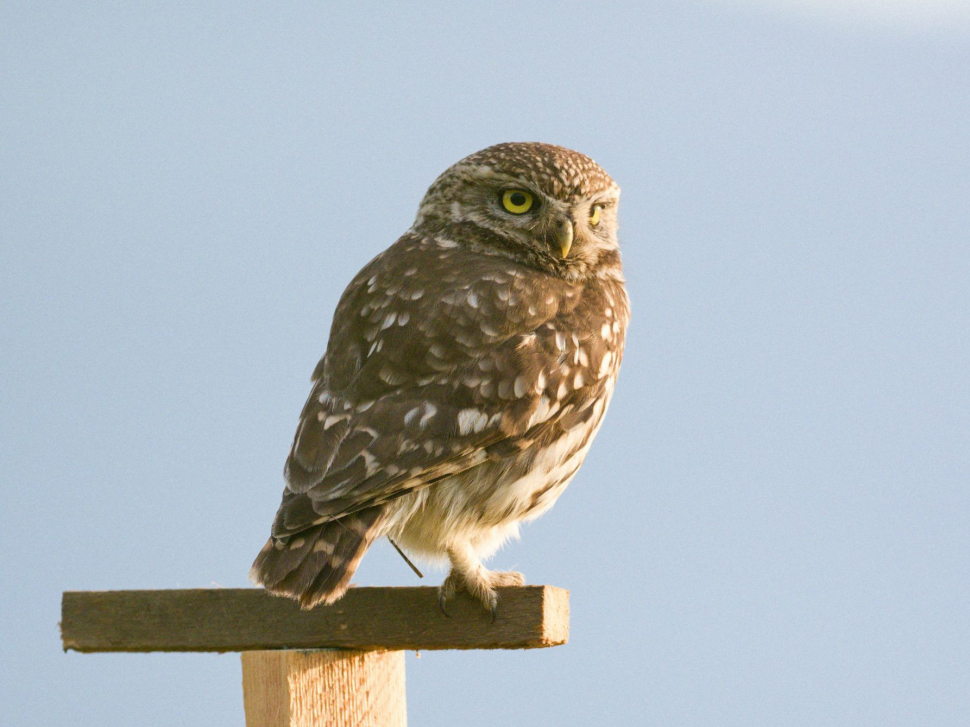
(468, 574)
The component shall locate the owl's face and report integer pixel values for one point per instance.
(547, 206)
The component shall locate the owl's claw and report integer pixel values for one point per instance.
(447, 590)
(500, 579)
(481, 585)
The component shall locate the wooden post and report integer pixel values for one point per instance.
(330, 688)
(340, 665)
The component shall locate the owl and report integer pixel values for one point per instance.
(468, 370)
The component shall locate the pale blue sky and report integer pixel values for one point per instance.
(772, 528)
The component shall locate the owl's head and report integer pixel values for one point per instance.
(549, 207)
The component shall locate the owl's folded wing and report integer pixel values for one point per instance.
(426, 377)
(345, 462)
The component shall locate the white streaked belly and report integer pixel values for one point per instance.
(484, 506)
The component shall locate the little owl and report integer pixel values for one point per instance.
(468, 369)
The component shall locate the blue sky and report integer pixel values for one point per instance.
(772, 526)
(901, 16)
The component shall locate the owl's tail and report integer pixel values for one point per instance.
(315, 565)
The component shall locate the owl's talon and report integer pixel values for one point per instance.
(447, 591)
(480, 584)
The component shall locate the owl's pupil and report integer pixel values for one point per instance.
(518, 199)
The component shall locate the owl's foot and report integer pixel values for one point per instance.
(480, 584)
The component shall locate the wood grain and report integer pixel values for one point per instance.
(249, 619)
(330, 688)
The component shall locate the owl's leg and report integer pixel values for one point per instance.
(468, 574)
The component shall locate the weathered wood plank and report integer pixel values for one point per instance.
(227, 619)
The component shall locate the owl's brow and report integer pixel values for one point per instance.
(507, 180)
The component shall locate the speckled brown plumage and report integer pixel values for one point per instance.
(468, 369)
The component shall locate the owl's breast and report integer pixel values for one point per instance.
(535, 478)
(518, 482)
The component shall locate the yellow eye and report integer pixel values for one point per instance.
(594, 215)
(517, 201)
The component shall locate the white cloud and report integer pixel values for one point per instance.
(920, 15)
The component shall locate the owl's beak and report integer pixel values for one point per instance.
(565, 236)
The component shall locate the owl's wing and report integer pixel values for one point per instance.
(438, 359)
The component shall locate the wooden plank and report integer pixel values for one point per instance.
(330, 688)
(227, 619)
